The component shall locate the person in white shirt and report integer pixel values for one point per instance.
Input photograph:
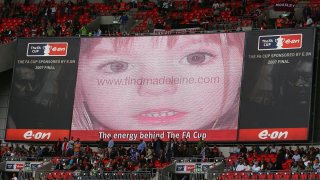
(215, 5)
(14, 177)
(247, 167)
(309, 21)
(273, 149)
(316, 164)
(240, 166)
(256, 167)
(296, 157)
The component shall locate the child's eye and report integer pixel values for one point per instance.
(115, 67)
(197, 58)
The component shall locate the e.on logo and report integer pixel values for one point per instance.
(265, 134)
(37, 136)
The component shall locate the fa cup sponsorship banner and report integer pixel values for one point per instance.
(282, 41)
(276, 87)
(42, 91)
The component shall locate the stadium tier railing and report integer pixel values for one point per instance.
(277, 175)
(67, 174)
(155, 174)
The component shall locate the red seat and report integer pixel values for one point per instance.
(230, 175)
(68, 175)
(286, 176)
(244, 176)
(236, 176)
(270, 176)
(313, 175)
(223, 176)
(253, 176)
(272, 155)
(50, 176)
(295, 176)
(262, 175)
(277, 175)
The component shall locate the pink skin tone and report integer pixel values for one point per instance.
(163, 106)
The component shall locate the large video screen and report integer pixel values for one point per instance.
(135, 88)
(227, 87)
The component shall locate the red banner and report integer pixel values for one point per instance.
(123, 135)
(36, 134)
(273, 134)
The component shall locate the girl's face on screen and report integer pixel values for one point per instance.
(158, 83)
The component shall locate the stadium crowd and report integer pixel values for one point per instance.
(144, 156)
(50, 18)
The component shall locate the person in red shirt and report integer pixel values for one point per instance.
(64, 147)
(215, 151)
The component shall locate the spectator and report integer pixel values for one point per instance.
(273, 149)
(279, 22)
(158, 146)
(58, 147)
(296, 157)
(88, 151)
(98, 32)
(215, 151)
(59, 166)
(83, 31)
(243, 149)
(316, 164)
(102, 145)
(64, 147)
(110, 145)
(267, 149)
(247, 166)
(240, 166)
(295, 168)
(51, 31)
(309, 166)
(306, 12)
(149, 154)
(256, 167)
(45, 151)
(133, 3)
(142, 146)
(271, 166)
(14, 176)
(134, 154)
(150, 25)
(77, 146)
(70, 147)
(200, 144)
(123, 23)
(309, 21)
